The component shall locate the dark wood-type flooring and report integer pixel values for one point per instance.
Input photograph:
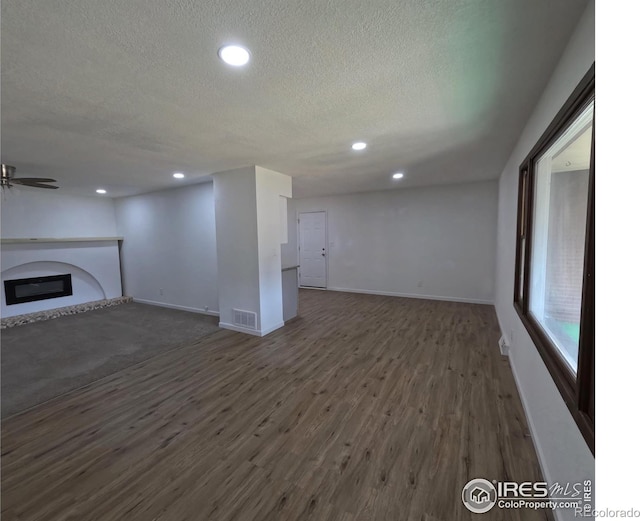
(363, 408)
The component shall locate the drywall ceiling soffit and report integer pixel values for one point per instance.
(123, 93)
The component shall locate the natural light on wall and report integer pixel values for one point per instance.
(557, 254)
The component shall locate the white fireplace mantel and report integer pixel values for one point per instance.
(22, 240)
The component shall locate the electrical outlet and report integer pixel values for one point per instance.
(504, 346)
(161, 291)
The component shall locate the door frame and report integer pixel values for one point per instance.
(326, 249)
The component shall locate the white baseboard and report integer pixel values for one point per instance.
(176, 306)
(254, 332)
(532, 430)
(534, 436)
(270, 329)
(412, 295)
(239, 329)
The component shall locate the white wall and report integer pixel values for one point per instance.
(43, 213)
(562, 452)
(436, 242)
(289, 250)
(272, 231)
(249, 231)
(237, 241)
(169, 248)
(94, 266)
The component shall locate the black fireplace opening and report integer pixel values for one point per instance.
(18, 291)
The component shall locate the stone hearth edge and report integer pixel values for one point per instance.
(29, 318)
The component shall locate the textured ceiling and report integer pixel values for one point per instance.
(121, 93)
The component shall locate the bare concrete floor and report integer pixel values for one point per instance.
(49, 358)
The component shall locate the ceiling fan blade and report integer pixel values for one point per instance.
(35, 185)
(34, 179)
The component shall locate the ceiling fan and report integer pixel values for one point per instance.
(8, 179)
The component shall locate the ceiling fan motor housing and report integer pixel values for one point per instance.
(8, 170)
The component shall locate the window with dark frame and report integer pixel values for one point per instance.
(555, 255)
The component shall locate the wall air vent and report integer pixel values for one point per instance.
(245, 319)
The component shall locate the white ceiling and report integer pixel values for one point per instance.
(122, 93)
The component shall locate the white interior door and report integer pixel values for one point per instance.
(313, 249)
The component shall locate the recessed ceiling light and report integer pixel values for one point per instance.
(234, 55)
(178, 175)
(359, 145)
(398, 175)
(101, 191)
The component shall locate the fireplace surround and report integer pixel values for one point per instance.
(92, 262)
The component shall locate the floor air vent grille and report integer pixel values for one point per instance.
(244, 318)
